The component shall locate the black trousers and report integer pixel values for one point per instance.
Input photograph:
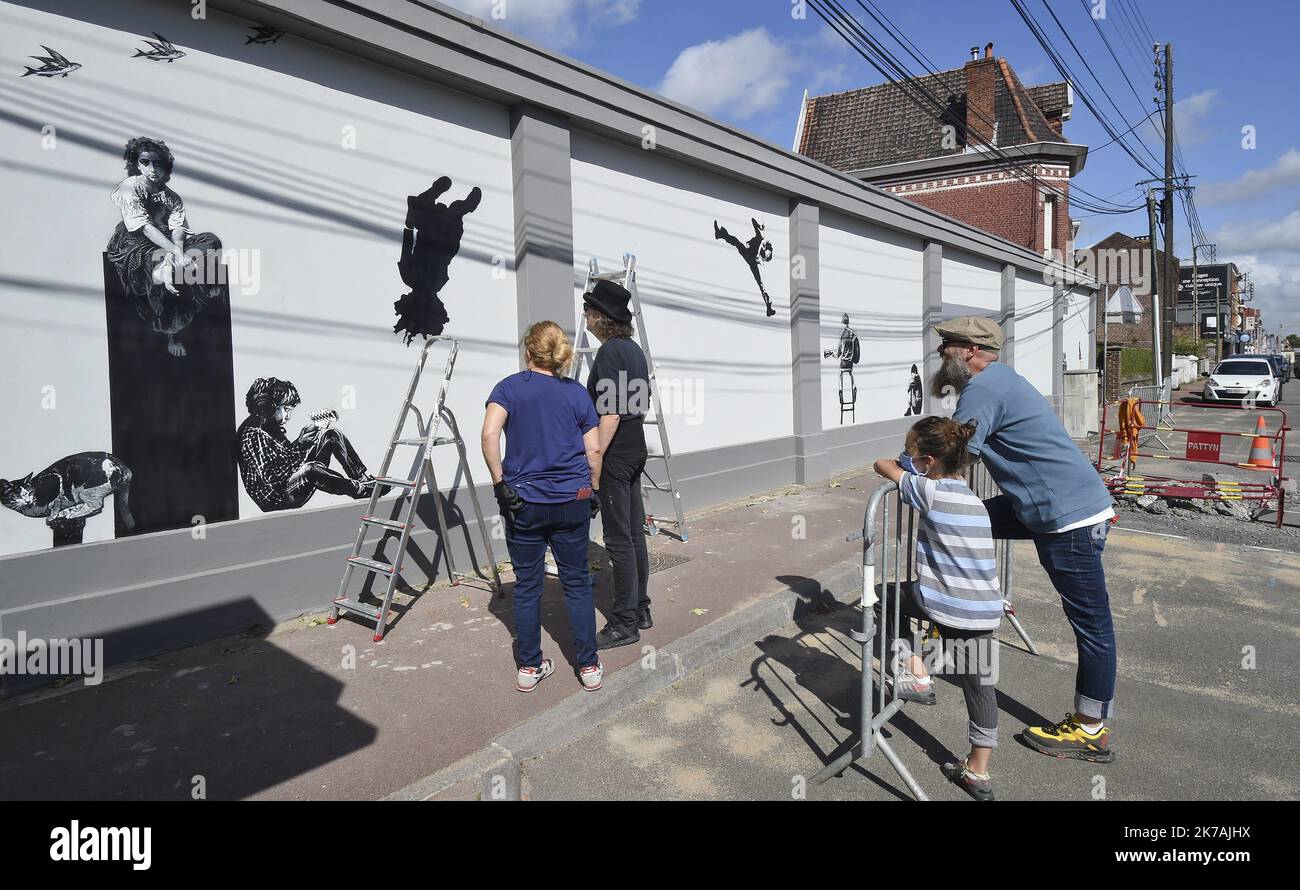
(623, 516)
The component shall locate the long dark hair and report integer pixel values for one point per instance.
(131, 154)
(945, 440)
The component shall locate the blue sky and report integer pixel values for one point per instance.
(747, 62)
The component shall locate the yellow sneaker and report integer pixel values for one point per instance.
(1069, 740)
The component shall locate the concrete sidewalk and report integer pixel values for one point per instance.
(314, 711)
(1194, 722)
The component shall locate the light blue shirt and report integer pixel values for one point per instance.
(1028, 453)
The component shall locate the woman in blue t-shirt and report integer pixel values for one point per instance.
(546, 488)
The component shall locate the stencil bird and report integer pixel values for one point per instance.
(263, 34)
(162, 51)
(54, 65)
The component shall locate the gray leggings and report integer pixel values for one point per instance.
(973, 654)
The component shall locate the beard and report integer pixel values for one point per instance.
(952, 373)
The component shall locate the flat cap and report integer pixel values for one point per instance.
(983, 332)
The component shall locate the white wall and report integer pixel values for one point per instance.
(1033, 347)
(703, 311)
(874, 275)
(1076, 337)
(258, 133)
(971, 285)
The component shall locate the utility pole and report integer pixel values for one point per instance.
(1171, 274)
(1156, 293)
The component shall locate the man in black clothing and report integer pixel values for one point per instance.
(620, 388)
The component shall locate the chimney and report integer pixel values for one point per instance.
(974, 52)
(981, 85)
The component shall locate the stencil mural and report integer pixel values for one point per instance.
(70, 491)
(849, 352)
(53, 65)
(263, 35)
(430, 241)
(169, 274)
(914, 390)
(282, 475)
(160, 50)
(753, 251)
(170, 368)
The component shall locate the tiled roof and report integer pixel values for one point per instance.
(882, 124)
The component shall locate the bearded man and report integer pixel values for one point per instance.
(1052, 496)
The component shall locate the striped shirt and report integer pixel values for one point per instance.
(956, 564)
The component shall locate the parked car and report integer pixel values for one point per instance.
(1280, 369)
(1282, 365)
(1241, 377)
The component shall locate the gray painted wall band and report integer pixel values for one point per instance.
(805, 340)
(1008, 317)
(1058, 345)
(931, 314)
(543, 195)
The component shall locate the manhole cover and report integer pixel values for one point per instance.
(661, 561)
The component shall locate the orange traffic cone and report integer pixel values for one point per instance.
(1261, 449)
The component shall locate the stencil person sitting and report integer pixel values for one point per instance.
(283, 475)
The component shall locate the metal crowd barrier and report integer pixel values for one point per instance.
(1163, 394)
(888, 538)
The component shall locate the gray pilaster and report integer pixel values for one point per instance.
(543, 192)
(1058, 345)
(1007, 317)
(931, 313)
(811, 460)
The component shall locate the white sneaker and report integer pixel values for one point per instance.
(529, 677)
(591, 676)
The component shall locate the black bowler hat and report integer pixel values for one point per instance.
(610, 299)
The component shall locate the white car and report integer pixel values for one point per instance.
(1240, 379)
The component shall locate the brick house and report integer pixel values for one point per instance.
(881, 135)
(1125, 260)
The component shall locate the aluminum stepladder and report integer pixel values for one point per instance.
(425, 442)
(583, 347)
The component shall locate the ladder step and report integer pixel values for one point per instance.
(585, 349)
(363, 609)
(608, 276)
(373, 565)
(441, 440)
(395, 483)
(386, 523)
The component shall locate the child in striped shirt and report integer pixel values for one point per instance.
(956, 587)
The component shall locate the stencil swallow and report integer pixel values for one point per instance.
(263, 34)
(162, 51)
(54, 65)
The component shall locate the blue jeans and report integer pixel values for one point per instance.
(1073, 561)
(565, 528)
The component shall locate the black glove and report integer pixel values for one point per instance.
(508, 500)
(595, 503)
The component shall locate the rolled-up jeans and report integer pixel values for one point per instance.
(1073, 561)
(565, 528)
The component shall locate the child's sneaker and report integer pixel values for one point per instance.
(1070, 741)
(529, 677)
(909, 688)
(977, 786)
(592, 676)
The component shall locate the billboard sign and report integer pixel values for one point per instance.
(1212, 283)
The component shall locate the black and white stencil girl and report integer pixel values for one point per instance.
(751, 252)
(430, 242)
(914, 394)
(283, 475)
(70, 491)
(168, 273)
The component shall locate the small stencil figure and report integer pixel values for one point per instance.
(70, 491)
(914, 391)
(752, 252)
(849, 352)
(283, 475)
(430, 241)
(168, 273)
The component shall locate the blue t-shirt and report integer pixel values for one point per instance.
(1027, 451)
(546, 417)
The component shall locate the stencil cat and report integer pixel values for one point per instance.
(69, 491)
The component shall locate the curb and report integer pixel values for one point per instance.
(497, 769)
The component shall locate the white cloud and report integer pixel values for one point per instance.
(556, 24)
(1189, 119)
(741, 75)
(1261, 237)
(1282, 173)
